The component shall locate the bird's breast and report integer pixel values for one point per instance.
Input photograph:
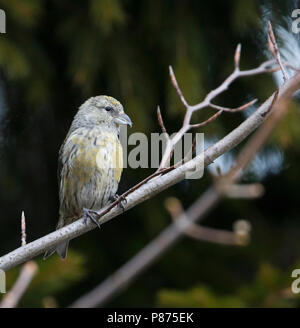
(96, 152)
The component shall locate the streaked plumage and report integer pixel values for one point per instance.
(90, 161)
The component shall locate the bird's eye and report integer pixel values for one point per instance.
(108, 108)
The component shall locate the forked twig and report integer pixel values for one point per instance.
(265, 67)
(198, 232)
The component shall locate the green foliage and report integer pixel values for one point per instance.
(287, 133)
(13, 61)
(270, 288)
(245, 15)
(25, 13)
(196, 297)
(106, 14)
(54, 277)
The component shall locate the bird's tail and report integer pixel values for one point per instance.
(60, 249)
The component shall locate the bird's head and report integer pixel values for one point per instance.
(101, 110)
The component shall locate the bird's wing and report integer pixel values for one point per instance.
(60, 163)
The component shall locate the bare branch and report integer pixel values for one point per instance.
(189, 154)
(223, 237)
(265, 67)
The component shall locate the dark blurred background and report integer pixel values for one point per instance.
(55, 55)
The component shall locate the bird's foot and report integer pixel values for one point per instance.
(122, 202)
(91, 215)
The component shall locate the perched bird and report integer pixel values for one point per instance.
(90, 162)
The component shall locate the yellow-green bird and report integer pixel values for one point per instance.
(90, 162)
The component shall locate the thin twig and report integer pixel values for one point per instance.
(160, 121)
(27, 273)
(122, 197)
(23, 229)
(176, 86)
(234, 110)
(274, 50)
(237, 57)
(209, 120)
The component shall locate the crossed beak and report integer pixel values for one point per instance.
(123, 119)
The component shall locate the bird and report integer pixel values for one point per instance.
(90, 162)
